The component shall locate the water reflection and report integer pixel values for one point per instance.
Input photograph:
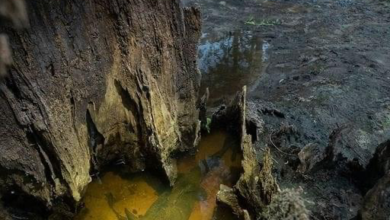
(230, 62)
(143, 196)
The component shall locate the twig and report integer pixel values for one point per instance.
(17, 217)
(270, 139)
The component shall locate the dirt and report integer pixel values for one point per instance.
(322, 91)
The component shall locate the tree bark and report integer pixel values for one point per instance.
(12, 14)
(96, 82)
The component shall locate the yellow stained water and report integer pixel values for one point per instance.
(144, 196)
(125, 193)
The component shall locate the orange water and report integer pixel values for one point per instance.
(144, 196)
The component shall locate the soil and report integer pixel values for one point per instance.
(318, 76)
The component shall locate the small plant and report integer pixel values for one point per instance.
(208, 125)
(252, 21)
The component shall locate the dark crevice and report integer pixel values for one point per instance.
(95, 140)
(272, 112)
(251, 129)
(377, 167)
(52, 169)
(51, 70)
(33, 208)
(11, 85)
(135, 109)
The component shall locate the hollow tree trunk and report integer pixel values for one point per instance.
(96, 82)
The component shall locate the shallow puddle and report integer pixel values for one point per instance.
(230, 62)
(143, 196)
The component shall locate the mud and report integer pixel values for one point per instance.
(322, 93)
(228, 63)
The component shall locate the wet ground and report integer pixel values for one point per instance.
(229, 62)
(318, 74)
(117, 196)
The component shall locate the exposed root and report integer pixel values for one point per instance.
(274, 145)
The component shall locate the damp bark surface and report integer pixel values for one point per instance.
(95, 83)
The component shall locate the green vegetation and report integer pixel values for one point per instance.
(208, 123)
(263, 22)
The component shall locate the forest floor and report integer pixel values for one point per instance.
(318, 75)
